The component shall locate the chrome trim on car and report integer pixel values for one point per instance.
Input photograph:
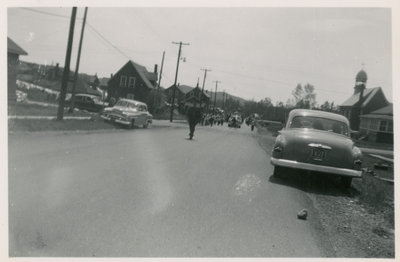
(115, 119)
(123, 122)
(318, 168)
(320, 146)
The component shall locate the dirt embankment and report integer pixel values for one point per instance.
(353, 225)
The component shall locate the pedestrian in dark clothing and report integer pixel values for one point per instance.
(194, 117)
(211, 120)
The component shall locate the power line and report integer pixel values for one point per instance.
(91, 27)
(47, 13)
(106, 40)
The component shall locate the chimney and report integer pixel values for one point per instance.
(56, 71)
(155, 69)
(111, 76)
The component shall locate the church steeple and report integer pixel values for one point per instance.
(361, 81)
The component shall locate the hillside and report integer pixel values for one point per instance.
(228, 96)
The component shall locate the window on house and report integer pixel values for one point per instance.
(374, 124)
(122, 82)
(383, 125)
(130, 96)
(132, 81)
(390, 127)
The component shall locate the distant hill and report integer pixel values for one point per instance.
(228, 96)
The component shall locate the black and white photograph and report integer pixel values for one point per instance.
(199, 130)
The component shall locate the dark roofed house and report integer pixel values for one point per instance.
(132, 81)
(180, 94)
(363, 101)
(377, 126)
(13, 53)
(195, 96)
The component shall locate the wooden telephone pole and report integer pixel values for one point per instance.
(64, 84)
(176, 77)
(72, 105)
(204, 79)
(215, 97)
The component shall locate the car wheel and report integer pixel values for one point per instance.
(146, 125)
(278, 171)
(345, 181)
(132, 124)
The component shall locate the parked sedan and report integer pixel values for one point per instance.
(317, 141)
(129, 113)
(87, 102)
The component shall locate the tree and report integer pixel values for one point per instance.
(326, 106)
(267, 102)
(298, 93)
(310, 95)
(289, 103)
(304, 97)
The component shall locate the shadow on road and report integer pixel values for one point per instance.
(314, 182)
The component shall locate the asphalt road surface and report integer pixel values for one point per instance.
(153, 193)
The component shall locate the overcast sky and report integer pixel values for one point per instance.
(254, 52)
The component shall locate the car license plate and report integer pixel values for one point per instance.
(318, 154)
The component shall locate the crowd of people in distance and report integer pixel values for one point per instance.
(196, 115)
(212, 119)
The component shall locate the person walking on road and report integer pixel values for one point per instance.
(194, 117)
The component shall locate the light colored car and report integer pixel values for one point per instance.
(317, 141)
(129, 113)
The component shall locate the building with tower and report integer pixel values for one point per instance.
(363, 101)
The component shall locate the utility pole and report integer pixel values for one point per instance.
(64, 84)
(223, 100)
(204, 80)
(216, 87)
(211, 98)
(156, 96)
(176, 77)
(72, 105)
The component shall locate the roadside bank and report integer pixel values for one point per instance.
(354, 226)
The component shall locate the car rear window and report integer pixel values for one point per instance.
(320, 123)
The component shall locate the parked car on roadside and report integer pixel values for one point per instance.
(87, 102)
(317, 141)
(129, 113)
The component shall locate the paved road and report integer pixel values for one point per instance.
(151, 193)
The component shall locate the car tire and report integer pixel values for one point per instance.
(132, 124)
(146, 125)
(278, 171)
(345, 181)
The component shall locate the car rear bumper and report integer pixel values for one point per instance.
(116, 120)
(317, 168)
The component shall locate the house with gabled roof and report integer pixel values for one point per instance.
(377, 126)
(196, 96)
(180, 93)
(363, 101)
(132, 81)
(13, 53)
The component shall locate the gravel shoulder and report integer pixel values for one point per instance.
(350, 226)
